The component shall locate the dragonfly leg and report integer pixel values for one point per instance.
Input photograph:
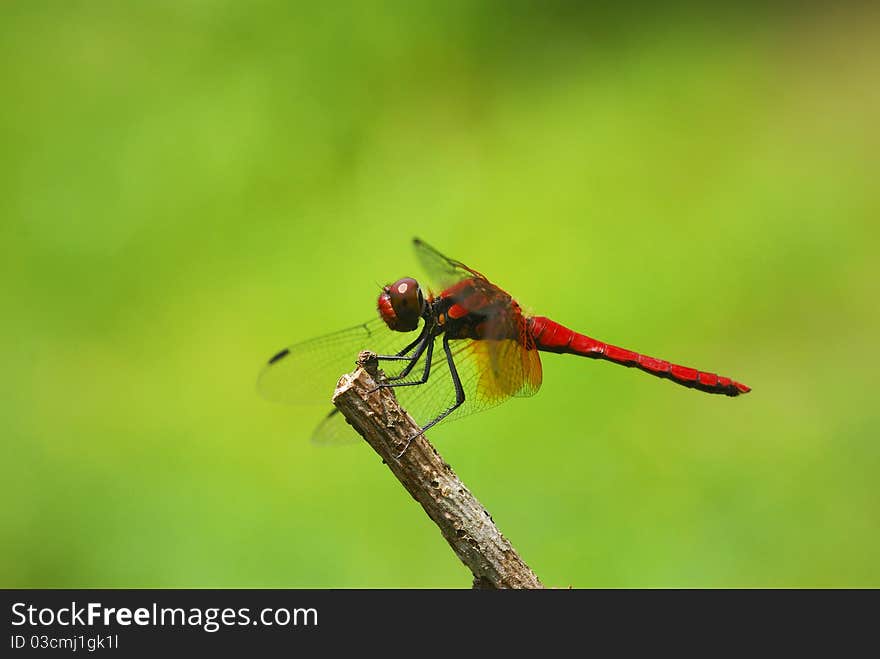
(427, 344)
(418, 344)
(413, 361)
(459, 396)
(414, 343)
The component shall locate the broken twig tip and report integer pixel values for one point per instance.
(369, 361)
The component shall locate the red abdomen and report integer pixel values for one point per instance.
(550, 336)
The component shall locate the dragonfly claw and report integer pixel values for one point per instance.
(408, 442)
(400, 455)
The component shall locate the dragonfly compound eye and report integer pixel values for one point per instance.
(401, 305)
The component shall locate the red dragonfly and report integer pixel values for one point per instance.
(489, 351)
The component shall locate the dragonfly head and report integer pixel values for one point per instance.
(401, 304)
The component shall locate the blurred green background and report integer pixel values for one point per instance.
(184, 185)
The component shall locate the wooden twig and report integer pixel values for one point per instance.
(376, 415)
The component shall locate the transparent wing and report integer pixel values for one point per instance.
(511, 365)
(501, 364)
(333, 430)
(442, 272)
(491, 371)
(306, 373)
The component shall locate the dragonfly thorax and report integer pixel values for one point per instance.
(402, 304)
